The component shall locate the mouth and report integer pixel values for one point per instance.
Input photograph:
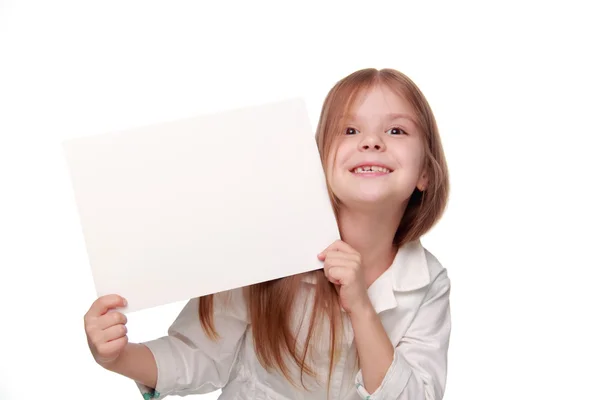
(371, 170)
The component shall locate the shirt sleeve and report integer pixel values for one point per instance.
(190, 362)
(419, 367)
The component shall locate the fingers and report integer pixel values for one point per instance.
(102, 325)
(339, 246)
(105, 303)
(110, 319)
(341, 263)
(113, 333)
(337, 275)
(109, 350)
(114, 345)
(103, 328)
(341, 255)
(106, 344)
(341, 268)
(340, 259)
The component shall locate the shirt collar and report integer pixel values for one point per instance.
(409, 271)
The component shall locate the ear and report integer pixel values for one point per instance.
(423, 182)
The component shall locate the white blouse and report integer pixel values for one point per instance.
(411, 298)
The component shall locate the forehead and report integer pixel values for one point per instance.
(380, 99)
(380, 103)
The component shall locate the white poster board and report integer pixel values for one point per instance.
(197, 206)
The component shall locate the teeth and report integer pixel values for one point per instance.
(371, 168)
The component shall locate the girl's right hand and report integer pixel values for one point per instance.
(106, 331)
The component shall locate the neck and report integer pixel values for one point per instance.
(371, 233)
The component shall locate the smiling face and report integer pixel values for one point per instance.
(379, 157)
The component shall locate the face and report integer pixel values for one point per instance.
(379, 159)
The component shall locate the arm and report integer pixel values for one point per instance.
(137, 363)
(187, 361)
(375, 351)
(417, 367)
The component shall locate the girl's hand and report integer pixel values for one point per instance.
(106, 331)
(342, 266)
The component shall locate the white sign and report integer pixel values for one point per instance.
(197, 206)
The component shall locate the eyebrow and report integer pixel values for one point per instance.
(391, 116)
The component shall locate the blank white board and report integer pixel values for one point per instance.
(186, 208)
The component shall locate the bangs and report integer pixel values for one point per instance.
(347, 98)
(338, 104)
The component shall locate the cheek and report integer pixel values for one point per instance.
(336, 161)
(412, 159)
(331, 168)
(342, 154)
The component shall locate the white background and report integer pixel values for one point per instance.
(515, 91)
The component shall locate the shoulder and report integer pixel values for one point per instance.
(415, 268)
(227, 305)
(436, 270)
(439, 283)
(232, 302)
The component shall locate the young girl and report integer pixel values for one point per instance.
(374, 323)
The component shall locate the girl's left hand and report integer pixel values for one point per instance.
(342, 266)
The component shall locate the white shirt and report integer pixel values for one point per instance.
(411, 298)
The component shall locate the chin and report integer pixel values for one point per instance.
(368, 200)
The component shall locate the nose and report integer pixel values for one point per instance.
(371, 142)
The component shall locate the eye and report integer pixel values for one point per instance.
(351, 131)
(396, 131)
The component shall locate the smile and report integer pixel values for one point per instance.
(371, 169)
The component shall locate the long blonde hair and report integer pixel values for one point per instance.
(270, 304)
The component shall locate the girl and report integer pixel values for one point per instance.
(374, 323)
